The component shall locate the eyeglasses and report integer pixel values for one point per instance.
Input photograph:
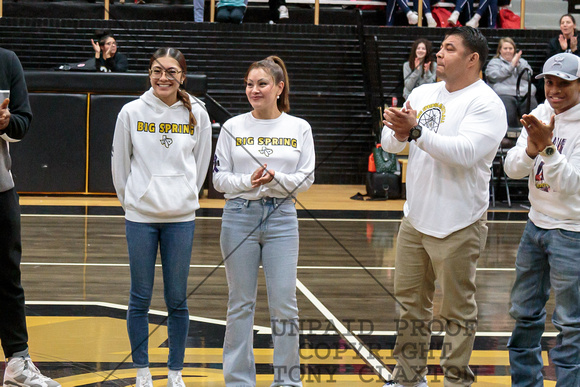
(156, 73)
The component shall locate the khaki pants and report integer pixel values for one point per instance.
(421, 259)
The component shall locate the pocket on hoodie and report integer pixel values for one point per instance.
(167, 196)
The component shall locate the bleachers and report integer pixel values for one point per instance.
(324, 62)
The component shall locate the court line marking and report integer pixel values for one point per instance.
(261, 330)
(222, 266)
(219, 218)
(355, 343)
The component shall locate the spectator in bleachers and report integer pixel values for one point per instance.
(502, 74)
(230, 11)
(487, 8)
(278, 10)
(412, 16)
(567, 41)
(419, 69)
(107, 59)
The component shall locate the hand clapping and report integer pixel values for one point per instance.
(539, 134)
(400, 121)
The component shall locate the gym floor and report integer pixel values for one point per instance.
(76, 279)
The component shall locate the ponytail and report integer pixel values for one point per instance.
(184, 97)
(275, 66)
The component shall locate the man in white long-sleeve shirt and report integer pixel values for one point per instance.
(548, 151)
(455, 128)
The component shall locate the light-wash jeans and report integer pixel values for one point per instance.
(546, 258)
(175, 242)
(198, 10)
(262, 232)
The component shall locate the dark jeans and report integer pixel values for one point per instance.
(13, 333)
(230, 14)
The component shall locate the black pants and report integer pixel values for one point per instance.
(273, 9)
(13, 333)
(515, 109)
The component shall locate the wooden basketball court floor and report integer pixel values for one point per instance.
(76, 279)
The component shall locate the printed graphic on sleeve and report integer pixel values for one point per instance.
(432, 116)
(216, 163)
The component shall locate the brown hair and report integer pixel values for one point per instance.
(501, 42)
(276, 68)
(413, 53)
(181, 94)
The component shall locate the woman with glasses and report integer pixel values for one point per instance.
(263, 159)
(161, 153)
(107, 59)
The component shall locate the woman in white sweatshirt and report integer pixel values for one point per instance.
(161, 152)
(263, 158)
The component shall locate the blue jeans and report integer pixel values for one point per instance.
(198, 10)
(175, 242)
(546, 258)
(262, 232)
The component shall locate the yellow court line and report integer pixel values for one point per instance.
(207, 377)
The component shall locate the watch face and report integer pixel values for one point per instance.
(415, 133)
(550, 151)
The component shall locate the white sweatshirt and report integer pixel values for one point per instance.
(554, 181)
(285, 144)
(158, 165)
(449, 165)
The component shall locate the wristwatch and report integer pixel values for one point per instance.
(415, 133)
(549, 150)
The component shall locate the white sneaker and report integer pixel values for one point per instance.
(21, 371)
(412, 17)
(474, 21)
(175, 380)
(453, 18)
(283, 12)
(144, 381)
(430, 20)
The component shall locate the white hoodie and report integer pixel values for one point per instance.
(158, 165)
(554, 181)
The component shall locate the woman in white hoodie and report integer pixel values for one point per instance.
(161, 153)
(263, 158)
